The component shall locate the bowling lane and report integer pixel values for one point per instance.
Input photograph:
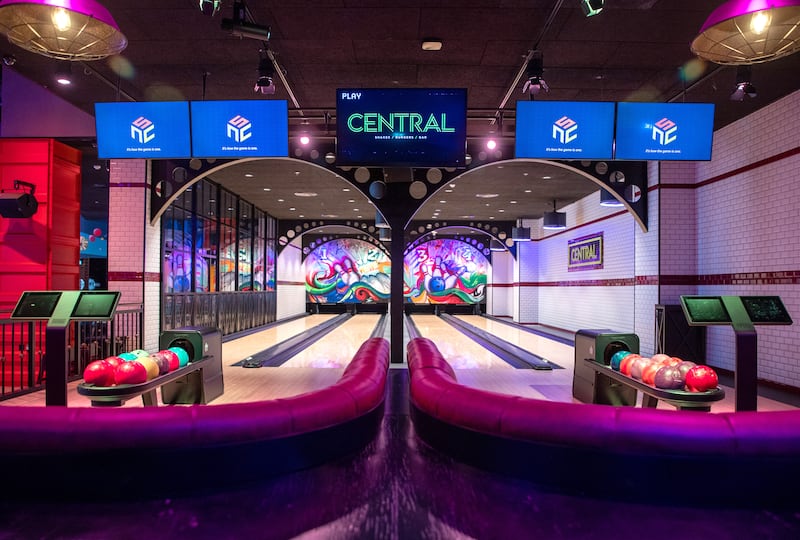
(338, 347)
(460, 351)
(235, 350)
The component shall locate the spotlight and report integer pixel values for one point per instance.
(64, 73)
(240, 27)
(304, 140)
(19, 205)
(555, 221)
(744, 87)
(264, 84)
(491, 144)
(535, 83)
(9, 60)
(591, 7)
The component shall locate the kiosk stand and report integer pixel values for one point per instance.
(59, 308)
(742, 313)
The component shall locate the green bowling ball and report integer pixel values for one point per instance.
(128, 356)
(617, 359)
(140, 353)
(183, 356)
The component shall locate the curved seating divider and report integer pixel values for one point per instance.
(126, 452)
(741, 458)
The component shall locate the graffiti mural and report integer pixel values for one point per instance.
(445, 271)
(347, 270)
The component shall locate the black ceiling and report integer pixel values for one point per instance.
(635, 50)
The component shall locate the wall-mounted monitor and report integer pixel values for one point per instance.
(95, 305)
(143, 129)
(664, 131)
(704, 310)
(36, 305)
(565, 130)
(243, 128)
(401, 127)
(765, 310)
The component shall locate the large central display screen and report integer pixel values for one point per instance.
(411, 127)
(565, 130)
(664, 131)
(146, 129)
(244, 128)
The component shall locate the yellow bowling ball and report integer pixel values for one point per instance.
(150, 365)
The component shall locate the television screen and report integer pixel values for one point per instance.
(664, 131)
(565, 130)
(95, 305)
(155, 129)
(766, 310)
(703, 310)
(245, 128)
(36, 305)
(411, 127)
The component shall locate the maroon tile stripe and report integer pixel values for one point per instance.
(134, 276)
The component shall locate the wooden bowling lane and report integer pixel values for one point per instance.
(337, 348)
(459, 350)
(235, 350)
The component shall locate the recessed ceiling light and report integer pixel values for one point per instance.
(527, 191)
(467, 217)
(305, 194)
(452, 185)
(443, 202)
(487, 204)
(500, 166)
(501, 210)
(546, 177)
(351, 200)
(346, 189)
(301, 216)
(248, 175)
(448, 191)
(512, 202)
(487, 195)
(280, 200)
(267, 189)
(524, 174)
(491, 217)
(432, 45)
(355, 209)
(330, 216)
(291, 208)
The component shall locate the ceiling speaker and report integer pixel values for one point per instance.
(521, 234)
(18, 205)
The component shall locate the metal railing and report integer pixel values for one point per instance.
(231, 312)
(23, 348)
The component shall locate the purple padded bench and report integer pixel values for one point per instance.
(605, 450)
(150, 450)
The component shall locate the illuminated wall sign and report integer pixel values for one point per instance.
(153, 129)
(586, 253)
(564, 130)
(246, 128)
(664, 131)
(412, 127)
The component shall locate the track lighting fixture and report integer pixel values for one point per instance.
(744, 88)
(264, 83)
(535, 83)
(591, 7)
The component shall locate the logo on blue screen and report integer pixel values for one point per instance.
(664, 131)
(239, 128)
(565, 130)
(142, 130)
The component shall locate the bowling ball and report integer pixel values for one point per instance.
(649, 372)
(183, 356)
(638, 367)
(617, 359)
(685, 366)
(174, 362)
(161, 362)
(99, 373)
(660, 358)
(436, 284)
(150, 365)
(669, 378)
(114, 360)
(127, 356)
(140, 353)
(701, 379)
(130, 373)
(627, 362)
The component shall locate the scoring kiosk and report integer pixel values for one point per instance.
(58, 308)
(742, 313)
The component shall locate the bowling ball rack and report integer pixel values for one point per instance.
(609, 388)
(116, 396)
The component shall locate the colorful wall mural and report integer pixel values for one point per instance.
(347, 270)
(445, 271)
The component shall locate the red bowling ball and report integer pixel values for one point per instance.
(130, 373)
(627, 362)
(99, 373)
(701, 379)
(174, 361)
(114, 361)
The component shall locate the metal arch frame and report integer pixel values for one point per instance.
(305, 226)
